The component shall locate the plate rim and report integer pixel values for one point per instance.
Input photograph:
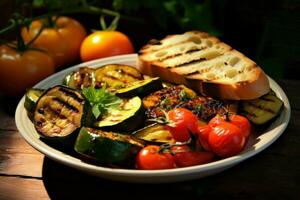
(106, 172)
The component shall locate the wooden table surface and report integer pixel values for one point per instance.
(272, 174)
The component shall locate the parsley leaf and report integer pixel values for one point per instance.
(100, 100)
(184, 96)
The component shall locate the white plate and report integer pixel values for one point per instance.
(254, 146)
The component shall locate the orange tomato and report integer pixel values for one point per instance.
(62, 41)
(21, 70)
(104, 44)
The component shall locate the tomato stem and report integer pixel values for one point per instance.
(20, 42)
(35, 37)
(9, 27)
(50, 22)
(166, 147)
(84, 8)
(113, 25)
(227, 118)
(102, 22)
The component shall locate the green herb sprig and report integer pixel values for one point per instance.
(100, 100)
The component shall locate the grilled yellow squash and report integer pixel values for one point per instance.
(263, 109)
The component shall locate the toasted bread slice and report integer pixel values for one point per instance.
(206, 64)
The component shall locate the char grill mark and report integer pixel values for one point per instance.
(199, 60)
(262, 107)
(179, 54)
(122, 72)
(64, 104)
(70, 94)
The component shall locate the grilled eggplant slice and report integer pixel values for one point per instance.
(261, 110)
(31, 97)
(58, 113)
(140, 88)
(116, 76)
(84, 77)
(154, 133)
(127, 118)
(108, 148)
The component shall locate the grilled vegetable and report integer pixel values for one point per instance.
(58, 113)
(182, 97)
(206, 107)
(155, 133)
(140, 88)
(169, 97)
(263, 109)
(116, 76)
(127, 118)
(31, 97)
(99, 102)
(107, 147)
(84, 77)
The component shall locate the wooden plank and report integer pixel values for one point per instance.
(7, 121)
(17, 157)
(256, 178)
(14, 188)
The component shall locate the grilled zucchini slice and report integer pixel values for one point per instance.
(107, 147)
(140, 88)
(154, 133)
(84, 77)
(31, 97)
(263, 109)
(58, 113)
(116, 76)
(127, 118)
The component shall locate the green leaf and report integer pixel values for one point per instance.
(100, 100)
(184, 96)
(96, 111)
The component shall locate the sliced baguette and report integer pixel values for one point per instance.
(204, 63)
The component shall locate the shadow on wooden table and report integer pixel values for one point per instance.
(62, 182)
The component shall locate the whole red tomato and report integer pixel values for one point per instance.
(238, 120)
(150, 158)
(203, 133)
(226, 139)
(183, 122)
(102, 44)
(62, 40)
(184, 156)
(21, 70)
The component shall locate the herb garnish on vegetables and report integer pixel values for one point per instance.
(100, 100)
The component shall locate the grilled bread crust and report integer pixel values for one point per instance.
(205, 64)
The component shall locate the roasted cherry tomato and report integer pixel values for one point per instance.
(238, 120)
(226, 139)
(150, 158)
(184, 156)
(183, 123)
(21, 70)
(102, 44)
(62, 40)
(203, 133)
